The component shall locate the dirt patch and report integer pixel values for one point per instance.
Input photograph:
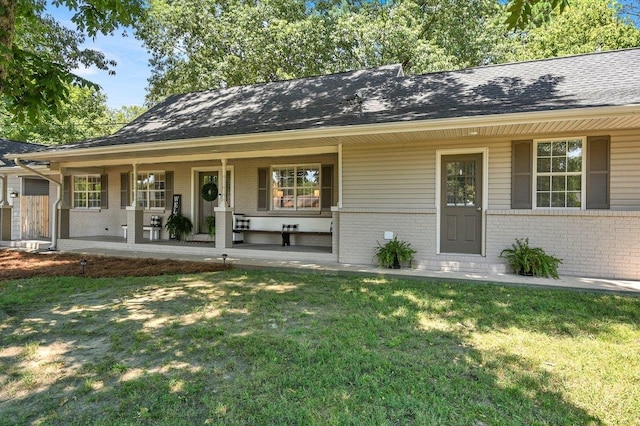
(16, 264)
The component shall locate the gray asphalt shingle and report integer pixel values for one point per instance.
(379, 95)
(15, 147)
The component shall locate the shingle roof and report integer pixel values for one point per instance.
(15, 147)
(379, 95)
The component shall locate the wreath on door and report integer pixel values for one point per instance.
(209, 191)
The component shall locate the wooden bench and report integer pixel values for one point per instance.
(154, 231)
(285, 226)
(154, 228)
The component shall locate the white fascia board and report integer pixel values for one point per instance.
(15, 170)
(345, 131)
(210, 156)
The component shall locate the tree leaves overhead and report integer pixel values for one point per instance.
(524, 12)
(203, 44)
(585, 26)
(84, 116)
(38, 54)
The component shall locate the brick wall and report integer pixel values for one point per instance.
(361, 231)
(590, 243)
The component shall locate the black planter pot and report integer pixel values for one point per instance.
(526, 274)
(396, 262)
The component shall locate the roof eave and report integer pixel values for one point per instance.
(343, 131)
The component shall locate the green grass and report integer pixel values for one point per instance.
(265, 347)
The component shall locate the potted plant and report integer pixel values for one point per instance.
(178, 225)
(393, 252)
(531, 261)
(211, 225)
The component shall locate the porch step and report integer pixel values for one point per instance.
(32, 245)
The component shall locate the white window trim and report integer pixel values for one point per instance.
(134, 186)
(73, 192)
(295, 166)
(583, 180)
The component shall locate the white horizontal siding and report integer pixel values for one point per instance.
(388, 174)
(382, 175)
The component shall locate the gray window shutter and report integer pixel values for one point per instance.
(168, 190)
(263, 188)
(66, 196)
(35, 186)
(125, 191)
(326, 199)
(104, 191)
(521, 174)
(598, 172)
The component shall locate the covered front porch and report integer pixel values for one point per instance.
(204, 250)
(127, 202)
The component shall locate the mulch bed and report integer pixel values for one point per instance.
(15, 264)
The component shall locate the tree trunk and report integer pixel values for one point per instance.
(7, 31)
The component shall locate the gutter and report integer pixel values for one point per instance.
(56, 205)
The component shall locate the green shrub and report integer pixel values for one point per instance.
(527, 260)
(211, 225)
(178, 225)
(393, 250)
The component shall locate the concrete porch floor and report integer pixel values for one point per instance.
(210, 245)
(245, 256)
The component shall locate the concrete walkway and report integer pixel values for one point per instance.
(586, 284)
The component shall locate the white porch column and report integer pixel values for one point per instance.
(224, 214)
(134, 197)
(134, 213)
(4, 192)
(223, 183)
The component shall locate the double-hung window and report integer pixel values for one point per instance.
(150, 189)
(559, 178)
(295, 187)
(87, 191)
(561, 173)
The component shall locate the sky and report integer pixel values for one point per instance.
(127, 86)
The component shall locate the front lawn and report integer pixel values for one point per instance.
(269, 348)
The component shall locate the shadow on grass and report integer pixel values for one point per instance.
(276, 348)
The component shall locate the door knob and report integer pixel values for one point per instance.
(479, 209)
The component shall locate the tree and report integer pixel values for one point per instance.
(37, 54)
(585, 26)
(524, 12)
(84, 116)
(204, 44)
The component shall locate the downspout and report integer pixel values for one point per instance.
(56, 205)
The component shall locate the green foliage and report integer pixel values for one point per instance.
(523, 12)
(211, 225)
(38, 54)
(85, 115)
(585, 26)
(527, 260)
(392, 250)
(178, 225)
(230, 43)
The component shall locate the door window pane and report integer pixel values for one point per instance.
(461, 183)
